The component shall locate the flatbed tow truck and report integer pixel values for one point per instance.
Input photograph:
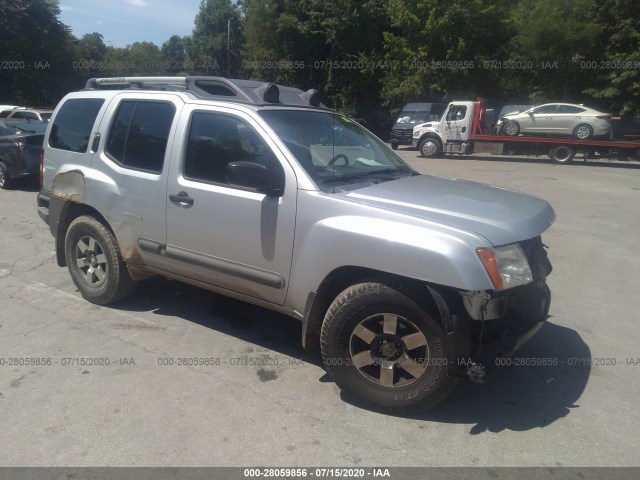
(463, 129)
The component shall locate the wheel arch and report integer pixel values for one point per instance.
(433, 298)
(66, 211)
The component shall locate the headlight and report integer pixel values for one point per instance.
(507, 266)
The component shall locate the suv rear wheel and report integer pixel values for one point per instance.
(384, 350)
(95, 262)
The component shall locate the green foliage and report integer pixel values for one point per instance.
(557, 37)
(39, 50)
(439, 49)
(214, 46)
(368, 57)
(620, 73)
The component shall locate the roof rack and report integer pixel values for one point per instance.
(216, 88)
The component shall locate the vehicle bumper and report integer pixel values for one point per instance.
(414, 143)
(506, 320)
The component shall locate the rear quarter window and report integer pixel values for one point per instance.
(139, 134)
(72, 125)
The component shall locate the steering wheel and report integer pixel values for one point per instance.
(336, 158)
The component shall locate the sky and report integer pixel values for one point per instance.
(123, 22)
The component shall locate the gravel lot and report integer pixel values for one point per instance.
(270, 404)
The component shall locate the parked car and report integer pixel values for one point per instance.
(398, 277)
(20, 149)
(7, 108)
(411, 115)
(558, 119)
(27, 114)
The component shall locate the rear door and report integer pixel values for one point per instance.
(134, 143)
(232, 237)
(567, 118)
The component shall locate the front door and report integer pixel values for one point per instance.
(234, 238)
(539, 120)
(457, 122)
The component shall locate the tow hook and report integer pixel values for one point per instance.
(476, 373)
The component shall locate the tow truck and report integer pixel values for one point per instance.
(464, 129)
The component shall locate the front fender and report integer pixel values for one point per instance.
(380, 240)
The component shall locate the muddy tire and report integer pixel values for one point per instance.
(95, 262)
(384, 350)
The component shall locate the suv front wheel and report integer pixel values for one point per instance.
(95, 262)
(384, 350)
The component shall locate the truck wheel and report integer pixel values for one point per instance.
(430, 147)
(394, 145)
(384, 350)
(583, 132)
(511, 129)
(95, 262)
(5, 179)
(561, 154)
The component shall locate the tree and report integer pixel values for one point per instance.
(214, 46)
(557, 37)
(40, 50)
(437, 49)
(620, 72)
(173, 55)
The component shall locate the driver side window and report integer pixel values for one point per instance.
(215, 140)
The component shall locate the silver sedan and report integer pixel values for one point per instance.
(558, 119)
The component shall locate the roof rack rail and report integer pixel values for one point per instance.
(216, 88)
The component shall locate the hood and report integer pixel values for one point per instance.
(501, 216)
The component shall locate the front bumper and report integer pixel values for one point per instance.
(506, 320)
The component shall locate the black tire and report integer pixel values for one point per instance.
(358, 328)
(103, 277)
(430, 147)
(511, 128)
(583, 132)
(561, 154)
(5, 179)
(394, 145)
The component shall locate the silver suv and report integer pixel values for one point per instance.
(259, 192)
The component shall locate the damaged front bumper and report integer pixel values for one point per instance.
(502, 321)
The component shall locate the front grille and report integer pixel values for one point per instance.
(405, 134)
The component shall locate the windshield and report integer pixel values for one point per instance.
(413, 117)
(333, 149)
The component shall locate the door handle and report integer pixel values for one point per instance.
(182, 199)
(96, 143)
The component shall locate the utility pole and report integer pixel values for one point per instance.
(228, 47)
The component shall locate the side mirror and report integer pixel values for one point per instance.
(256, 176)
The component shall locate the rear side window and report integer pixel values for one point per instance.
(570, 109)
(25, 115)
(139, 134)
(72, 126)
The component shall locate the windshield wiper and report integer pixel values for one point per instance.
(384, 174)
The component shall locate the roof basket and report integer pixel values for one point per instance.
(216, 88)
